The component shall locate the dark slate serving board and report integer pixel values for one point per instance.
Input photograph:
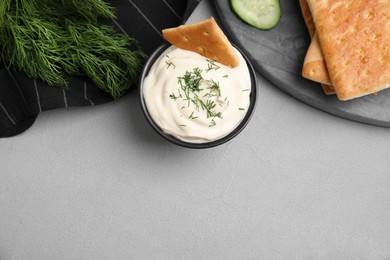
(278, 55)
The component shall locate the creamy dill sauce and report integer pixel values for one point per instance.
(196, 99)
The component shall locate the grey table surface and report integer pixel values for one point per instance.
(99, 183)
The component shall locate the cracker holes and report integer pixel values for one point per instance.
(339, 40)
(353, 29)
(346, 63)
(367, 15)
(365, 73)
(359, 51)
(374, 37)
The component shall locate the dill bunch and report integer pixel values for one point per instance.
(56, 39)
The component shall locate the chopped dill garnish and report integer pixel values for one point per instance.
(192, 116)
(170, 63)
(241, 108)
(215, 89)
(173, 96)
(209, 106)
(212, 123)
(190, 86)
(247, 89)
(225, 76)
(211, 65)
(190, 82)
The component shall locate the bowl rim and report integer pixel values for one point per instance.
(238, 129)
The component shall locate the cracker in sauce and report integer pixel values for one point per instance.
(205, 38)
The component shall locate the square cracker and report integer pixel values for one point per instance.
(355, 40)
(206, 38)
(306, 13)
(314, 67)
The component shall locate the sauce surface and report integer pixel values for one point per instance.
(194, 98)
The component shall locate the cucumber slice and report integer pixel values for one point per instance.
(262, 14)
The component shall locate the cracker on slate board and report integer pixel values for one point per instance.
(355, 40)
(314, 67)
(317, 63)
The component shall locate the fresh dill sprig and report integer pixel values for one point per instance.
(56, 39)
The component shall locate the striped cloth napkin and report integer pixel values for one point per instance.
(22, 98)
